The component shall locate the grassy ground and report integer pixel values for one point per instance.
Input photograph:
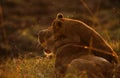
(27, 68)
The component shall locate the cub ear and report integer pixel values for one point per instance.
(59, 16)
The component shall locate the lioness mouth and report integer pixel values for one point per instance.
(47, 51)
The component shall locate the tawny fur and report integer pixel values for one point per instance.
(62, 38)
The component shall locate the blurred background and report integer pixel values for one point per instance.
(20, 21)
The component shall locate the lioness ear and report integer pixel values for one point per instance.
(59, 16)
(57, 23)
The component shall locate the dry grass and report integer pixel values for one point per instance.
(27, 68)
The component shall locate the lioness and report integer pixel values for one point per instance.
(70, 40)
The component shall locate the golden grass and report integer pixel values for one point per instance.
(27, 68)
